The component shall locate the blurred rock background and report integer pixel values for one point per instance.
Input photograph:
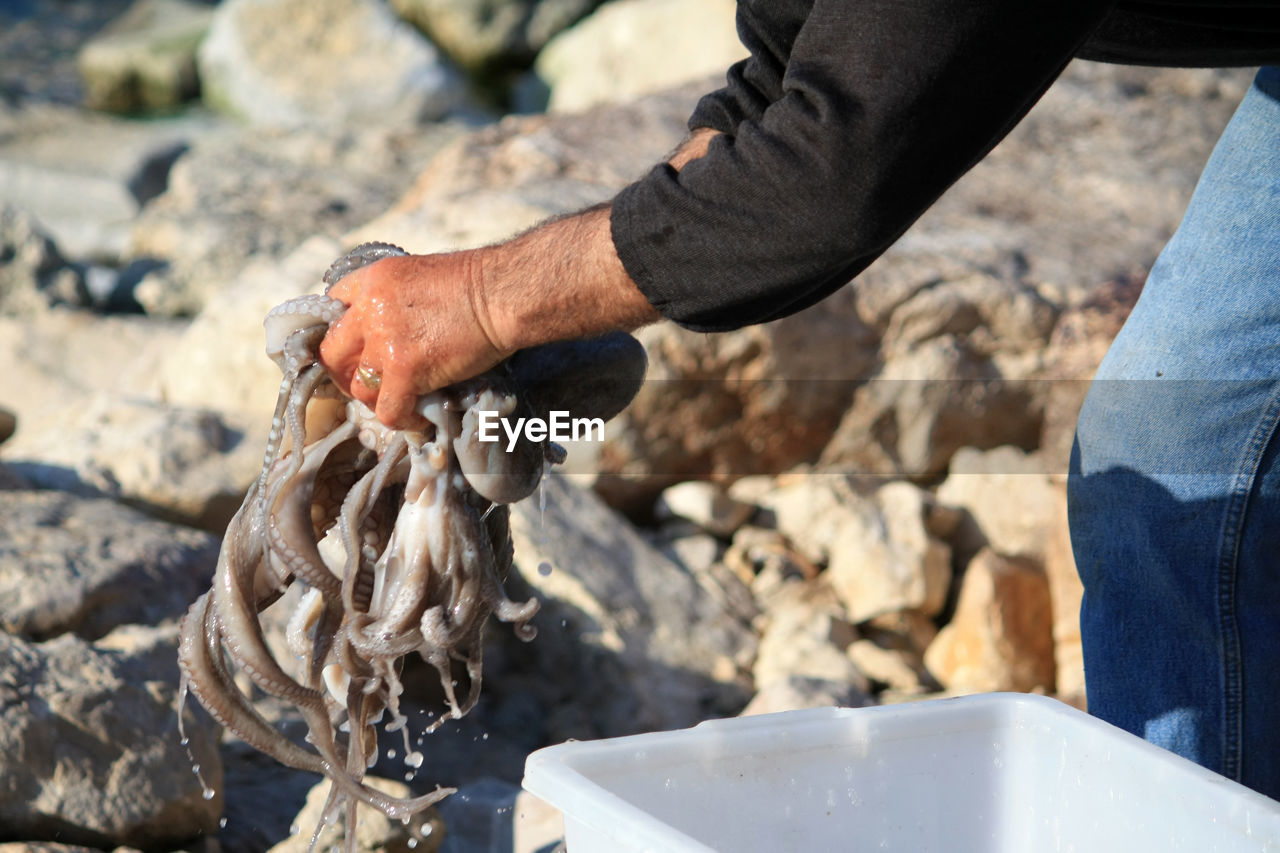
(859, 504)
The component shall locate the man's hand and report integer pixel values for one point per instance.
(421, 322)
(414, 323)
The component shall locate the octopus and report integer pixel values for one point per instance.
(398, 539)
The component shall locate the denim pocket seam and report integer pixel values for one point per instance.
(1242, 488)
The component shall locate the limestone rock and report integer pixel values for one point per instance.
(88, 565)
(146, 58)
(629, 48)
(538, 826)
(1008, 495)
(806, 634)
(491, 815)
(56, 362)
(89, 746)
(897, 669)
(1066, 592)
(1080, 340)
(183, 464)
(965, 310)
(759, 400)
(811, 511)
(294, 62)
(706, 505)
(374, 830)
(259, 193)
(1001, 636)
(504, 178)
(33, 274)
(884, 559)
(494, 35)
(796, 692)
(220, 362)
(85, 176)
(629, 635)
(767, 562)
(881, 550)
(956, 358)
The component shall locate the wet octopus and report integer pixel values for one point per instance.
(399, 538)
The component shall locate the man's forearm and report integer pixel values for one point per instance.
(558, 281)
(563, 279)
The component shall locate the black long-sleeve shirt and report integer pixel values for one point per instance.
(851, 117)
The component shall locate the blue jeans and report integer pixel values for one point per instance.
(1174, 493)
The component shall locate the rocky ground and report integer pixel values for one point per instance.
(859, 504)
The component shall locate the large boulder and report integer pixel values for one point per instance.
(492, 35)
(966, 302)
(146, 58)
(888, 560)
(628, 640)
(629, 48)
(90, 751)
(1009, 497)
(759, 400)
(955, 359)
(1080, 340)
(259, 194)
(185, 464)
(86, 565)
(293, 62)
(504, 178)
(33, 273)
(85, 176)
(1001, 635)
(220, 361)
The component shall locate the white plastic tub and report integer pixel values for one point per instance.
(998, 772)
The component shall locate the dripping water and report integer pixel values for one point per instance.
(184, 687)
(544, 567)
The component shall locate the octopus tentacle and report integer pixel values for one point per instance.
(362, 255)
(199, 656)
(289, 527)
(233, 601)
(355, 508)
(421, 519)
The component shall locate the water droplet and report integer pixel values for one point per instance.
(391, 753)
(185, 741)
(426, 829)
(207, 793)
(414, 759)
(413, 842)
(544, 568)
(222, 824)
(195, 768)
(484, 736)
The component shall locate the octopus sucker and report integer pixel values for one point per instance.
(399, 541)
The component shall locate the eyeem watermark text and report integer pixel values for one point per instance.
(557, 427)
